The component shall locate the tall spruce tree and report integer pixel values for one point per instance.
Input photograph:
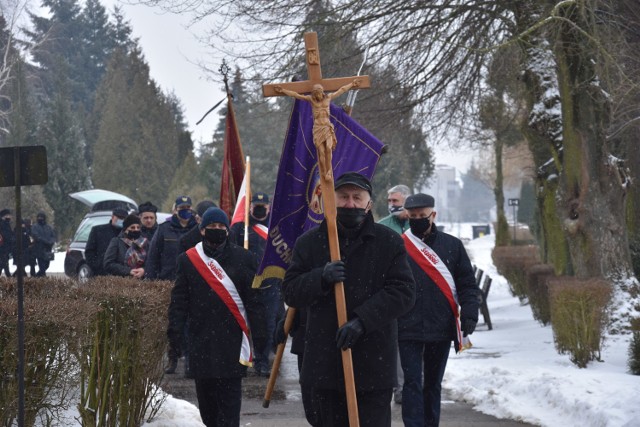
(136, 152)
(61, 133)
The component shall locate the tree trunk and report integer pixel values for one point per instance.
(502, 228)
(591, 196)
(543, 131)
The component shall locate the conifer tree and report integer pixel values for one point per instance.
(61, 133)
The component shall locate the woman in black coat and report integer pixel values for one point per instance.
(126, 254)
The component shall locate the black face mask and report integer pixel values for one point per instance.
(41, 221)
(419, 226)
(134, 235)
(215, 236)
(351, 217)
(7, 220)
(259, 212)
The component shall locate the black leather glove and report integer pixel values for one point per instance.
(279, 336)
(349, 333)
(333, 272)
(468, 326)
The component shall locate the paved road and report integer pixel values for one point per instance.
(286, 407)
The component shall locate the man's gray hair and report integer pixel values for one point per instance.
(402, 189)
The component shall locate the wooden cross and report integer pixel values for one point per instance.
(321, 119)
(314, 74)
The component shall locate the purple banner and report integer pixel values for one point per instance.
(297, 205)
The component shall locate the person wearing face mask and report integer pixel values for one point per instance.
(99, 239)
(164, 248)
(398, 219)
(270, 289)
(6, 241)
(378, 288)
(213, 291)
(126, 253)
(43, 238)
(446, 311)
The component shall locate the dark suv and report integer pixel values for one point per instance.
(102, 203)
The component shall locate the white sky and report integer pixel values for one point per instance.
(512, 371)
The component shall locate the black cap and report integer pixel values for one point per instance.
(120, 213)
(4, 212)
(202, 207)
(147, 207)
(130, 220)
(353, 178)
(419, 200)
(260, 198)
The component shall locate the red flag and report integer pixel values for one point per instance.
(232, 163)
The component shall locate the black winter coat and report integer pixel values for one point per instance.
(6, 239)
(43, 239)
(379, 288)
(214, 336)
(97, 244)
(431, 318)
(164, 250)
(114, 257)
(189, 239)
(256, 243)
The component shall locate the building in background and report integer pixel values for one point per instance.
(446, 187)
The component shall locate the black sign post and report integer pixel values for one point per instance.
(22, 166)
(514, 203)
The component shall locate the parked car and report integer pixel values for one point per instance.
(101, 203)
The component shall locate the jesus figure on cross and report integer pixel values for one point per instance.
(324, 136)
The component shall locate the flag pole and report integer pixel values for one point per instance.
(247, 203)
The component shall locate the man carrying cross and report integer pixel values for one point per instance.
(378, 287)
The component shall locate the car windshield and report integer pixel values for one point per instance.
(82, 235)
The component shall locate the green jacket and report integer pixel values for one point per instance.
(394, 223)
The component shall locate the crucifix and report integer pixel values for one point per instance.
(325, 142)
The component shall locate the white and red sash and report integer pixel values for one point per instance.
(430, 263)
(261, 230)
(223, 286)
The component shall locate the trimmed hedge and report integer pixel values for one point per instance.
(579, 316)
(105, 339)
(634, 348)
(538, 291)
(513, 262)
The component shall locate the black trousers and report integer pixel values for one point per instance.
(219, 400)
(374, 407)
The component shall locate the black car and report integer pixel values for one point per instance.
(102, 203)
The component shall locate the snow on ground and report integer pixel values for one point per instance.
(512, 371)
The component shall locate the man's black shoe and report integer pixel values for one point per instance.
(171, 368)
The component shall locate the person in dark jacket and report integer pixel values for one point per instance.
(6, 241)
(213, 291)
(444, 280)
(99, 239)
(379, 288)
(126, 253)
(43, 238)
(28, 257)
(193, 236)
(148, 219)
(164, 250)
(270, 289)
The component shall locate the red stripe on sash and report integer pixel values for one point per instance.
(215, 284)
(261, 230)
(430, 269)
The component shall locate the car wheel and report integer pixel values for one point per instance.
(84, 272)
